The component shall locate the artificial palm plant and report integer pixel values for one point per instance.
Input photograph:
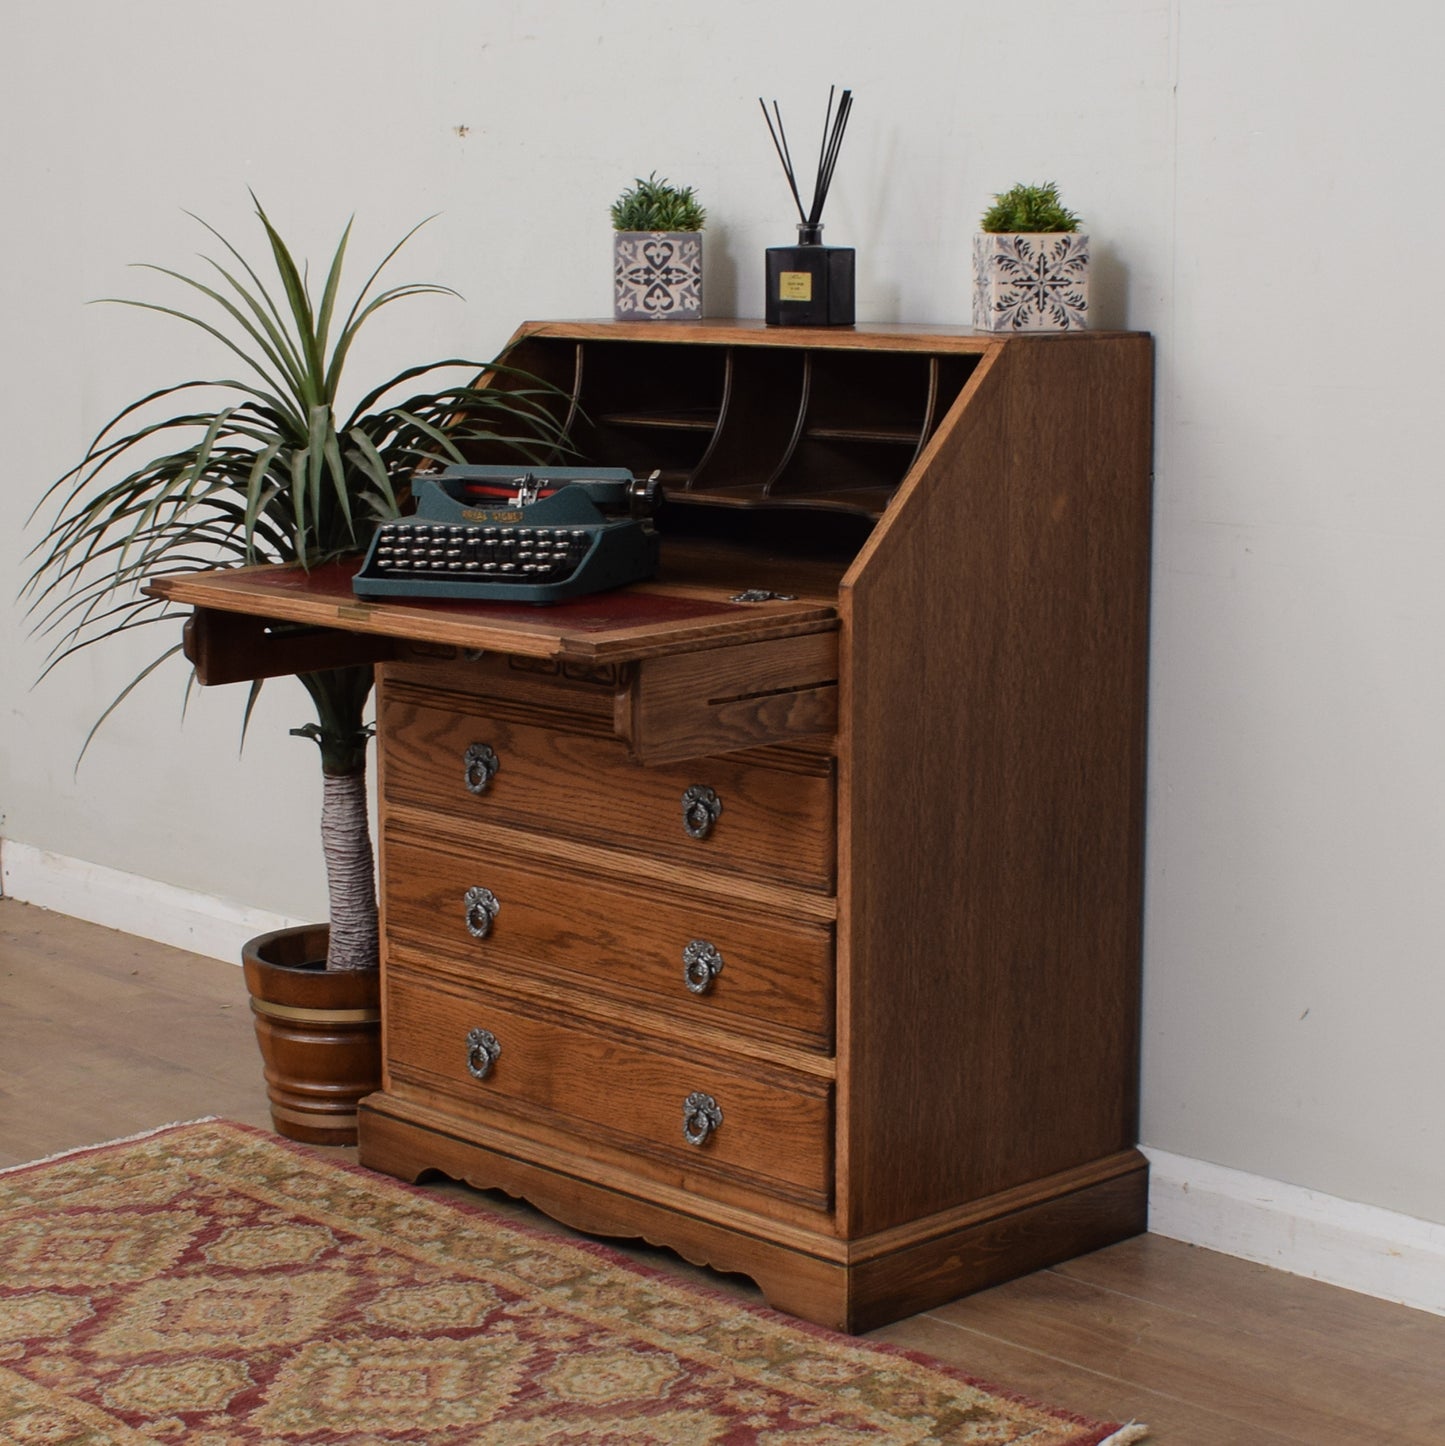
(261, 470)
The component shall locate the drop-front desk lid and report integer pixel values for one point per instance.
(640, 621)
(715, 668)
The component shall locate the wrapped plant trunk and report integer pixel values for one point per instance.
(350, 871)
(340, 696)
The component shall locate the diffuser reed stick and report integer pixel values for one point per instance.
(780, 144)
(833, 128)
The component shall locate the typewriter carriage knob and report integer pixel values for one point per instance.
(644, 494)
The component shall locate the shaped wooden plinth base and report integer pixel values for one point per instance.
(851, 1285)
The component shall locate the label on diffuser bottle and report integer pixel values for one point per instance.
(795, 286)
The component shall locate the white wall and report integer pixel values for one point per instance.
(1251, 173)
(1296, 954)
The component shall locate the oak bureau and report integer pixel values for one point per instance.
(785, 909)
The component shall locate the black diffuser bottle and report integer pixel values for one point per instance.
(810, 284)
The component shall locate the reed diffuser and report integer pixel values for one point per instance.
(810, 284)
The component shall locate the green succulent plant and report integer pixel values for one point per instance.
(655, 205)
(268, 469)
(1029, 209)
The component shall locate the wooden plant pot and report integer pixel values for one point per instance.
(1030, 281)
(657, 275)
(319, 1032)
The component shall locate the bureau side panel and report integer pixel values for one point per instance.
(991, 793)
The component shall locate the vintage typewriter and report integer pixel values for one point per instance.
(502, 533)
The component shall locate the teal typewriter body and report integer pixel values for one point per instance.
(516, 535)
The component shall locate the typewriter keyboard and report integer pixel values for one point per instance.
(518, 554)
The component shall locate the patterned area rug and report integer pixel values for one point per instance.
(212, 1285)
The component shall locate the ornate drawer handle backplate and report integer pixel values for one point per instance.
(482, 907)
(701, 1115)
(701, 964)
(481, 764)
(483, 1047)
(701, 808)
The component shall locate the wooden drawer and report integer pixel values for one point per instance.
(776, 822)
(598, 1084)
(681, 705)
(593, 935)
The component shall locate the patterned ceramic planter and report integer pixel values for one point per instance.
(1030, 281)
(657, 275)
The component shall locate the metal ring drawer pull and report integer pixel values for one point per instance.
(701, 808)
(483, 1047)
(701, 964)
(482, 907)
(701, 1115)
(481, 764)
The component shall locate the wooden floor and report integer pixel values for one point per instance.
(103, 1035)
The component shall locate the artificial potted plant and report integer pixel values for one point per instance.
(1030, 264)
(269, 469)
(657, 252)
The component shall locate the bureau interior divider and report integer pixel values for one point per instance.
(749, 426)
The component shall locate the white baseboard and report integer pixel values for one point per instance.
(1303, 1232)
(1360, 1247)
(143, 907)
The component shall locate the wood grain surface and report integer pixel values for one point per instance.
(553, 780)
(578, 929)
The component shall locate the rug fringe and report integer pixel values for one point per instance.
(105, 1144)
(1127, 1435)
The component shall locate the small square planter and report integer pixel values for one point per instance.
(657, 275)
(1030, 281)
